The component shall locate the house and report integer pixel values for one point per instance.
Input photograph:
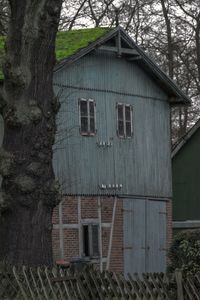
(112, 153)
(186, 174)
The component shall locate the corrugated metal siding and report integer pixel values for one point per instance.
(103, 71)
(134, 236)
(156, 236)
(144, 236)
(141, 164)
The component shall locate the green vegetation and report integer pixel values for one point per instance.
(67, 42)
(184, 253)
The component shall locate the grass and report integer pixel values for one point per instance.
(67, 42)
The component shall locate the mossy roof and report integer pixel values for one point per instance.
(67, 42)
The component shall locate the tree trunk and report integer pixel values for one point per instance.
(28, 106)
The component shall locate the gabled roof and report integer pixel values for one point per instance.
(72, 45)
(178, 146)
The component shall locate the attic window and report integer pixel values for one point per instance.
(124, 120)
(87, 117)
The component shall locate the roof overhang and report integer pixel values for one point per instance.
(133, 53)
(178, 146)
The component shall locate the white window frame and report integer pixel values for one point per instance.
(88, 133)
(124, 105)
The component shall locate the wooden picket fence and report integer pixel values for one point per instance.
(58, 284)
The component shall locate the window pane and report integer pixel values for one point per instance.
(92, 125)
(120, 112)
(128, 129)
(121, 128)
(83, 108)
(84, 124)
(95, 240)
(91, 105)
(86, 240)
(127, 113)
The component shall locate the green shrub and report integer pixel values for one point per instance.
(184, 253)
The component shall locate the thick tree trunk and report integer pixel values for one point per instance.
(28, 106)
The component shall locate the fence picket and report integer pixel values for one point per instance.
(58, 284)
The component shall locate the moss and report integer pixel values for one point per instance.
(67, 42)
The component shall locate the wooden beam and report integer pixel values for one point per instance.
(79, 227)
(122, 50)
(100, 234)
(111, 233)
(61, 236)
(134, 58)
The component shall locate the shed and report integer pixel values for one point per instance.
(186, 174)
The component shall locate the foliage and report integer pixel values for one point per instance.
(67, 42)
(184, 253)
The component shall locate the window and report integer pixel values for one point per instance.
(90, 240)
(124, 120)
(87, 116)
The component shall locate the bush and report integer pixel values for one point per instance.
(184, 253)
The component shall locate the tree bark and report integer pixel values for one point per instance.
(29, 191)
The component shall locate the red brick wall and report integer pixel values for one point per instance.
(89, 210)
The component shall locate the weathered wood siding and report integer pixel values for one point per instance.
(141, 164)
(186, 174)
(144, 236)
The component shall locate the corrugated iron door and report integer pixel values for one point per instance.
(156, 236)
(134, 235)
(144, 236)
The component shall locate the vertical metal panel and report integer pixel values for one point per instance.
(156, 236)
(144, 236)
(134, 235)
(142, 163)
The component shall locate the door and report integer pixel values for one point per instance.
(156, 236)
(144, 235)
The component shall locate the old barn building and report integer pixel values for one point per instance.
(186, 174)
(113, 153)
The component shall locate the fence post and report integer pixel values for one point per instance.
(179, 283)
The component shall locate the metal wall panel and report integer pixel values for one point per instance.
(144, 235)
(156, 236)
(134, 236)
(142, 164)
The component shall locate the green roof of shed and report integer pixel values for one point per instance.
(67, 42)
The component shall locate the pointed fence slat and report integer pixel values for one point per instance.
(59, 284)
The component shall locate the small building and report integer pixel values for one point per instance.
(186, 175)
(113, 152)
